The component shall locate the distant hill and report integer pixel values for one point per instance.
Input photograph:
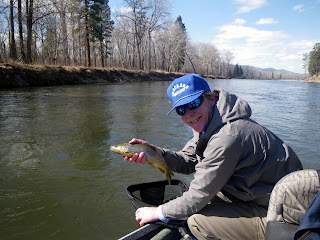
(270, 73)
(272, 70)
(276, 70)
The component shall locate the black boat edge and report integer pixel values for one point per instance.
(143, 233)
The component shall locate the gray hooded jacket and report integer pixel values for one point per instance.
(242, 159)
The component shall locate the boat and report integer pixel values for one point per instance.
(146, 232)
(158, 231)
(275, 231)
(282, 224)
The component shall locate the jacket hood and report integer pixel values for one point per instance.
(228, 108)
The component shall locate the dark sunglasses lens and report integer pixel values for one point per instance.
(195, 103)
(181, 110)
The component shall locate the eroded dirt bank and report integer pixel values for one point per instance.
(13, 76)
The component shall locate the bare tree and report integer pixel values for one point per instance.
(13, 52)
(137, 16)
(21, 41)
(29, 21)
(228, 57)
(305, 60)
(86, 22)
(156, 16)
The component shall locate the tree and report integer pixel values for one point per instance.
(207, 55)
(157, 14)
(314, 60)
(21, 41)
(138, 19)
(29, 20)
(86, 21)
(13, 52)
(305, 60)
(228, 56)
(61, 8)
(179, 40)
(236, 70)
(100, 24)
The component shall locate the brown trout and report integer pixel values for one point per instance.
(153, 158)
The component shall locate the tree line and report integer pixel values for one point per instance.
(311, 61)
(142, 36)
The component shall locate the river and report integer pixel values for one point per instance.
(58, 178)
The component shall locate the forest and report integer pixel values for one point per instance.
(142, 36)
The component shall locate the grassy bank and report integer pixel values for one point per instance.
(21, 75)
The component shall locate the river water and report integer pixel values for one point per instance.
(58, 178)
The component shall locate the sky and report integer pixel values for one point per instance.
(260, 33)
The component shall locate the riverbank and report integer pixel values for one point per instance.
(18, 75)
(313, 79)
(22, 75)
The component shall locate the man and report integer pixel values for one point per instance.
(232, 156)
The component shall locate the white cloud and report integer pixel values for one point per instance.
(249, 34)
(261, 48)
(249, 5)
(239, 21)
(298, 8)
(304, 44)
(265, 21)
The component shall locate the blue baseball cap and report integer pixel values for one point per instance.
(185, 89)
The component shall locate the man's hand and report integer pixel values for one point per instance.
(146, 214)
(140, 157)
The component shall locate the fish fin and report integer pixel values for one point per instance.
(168, 178)
(153, 148)
(129, 154)
(149, 163)
(171, 173)
(161, 170)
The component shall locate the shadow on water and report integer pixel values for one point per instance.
(59, 179)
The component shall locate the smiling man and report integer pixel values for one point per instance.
(236, 163)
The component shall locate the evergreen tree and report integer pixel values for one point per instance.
(179, 44)
(314, 60)
(236, 70)
(100, 24)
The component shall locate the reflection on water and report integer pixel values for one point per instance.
(58, 178)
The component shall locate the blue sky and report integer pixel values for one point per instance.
(260, 33)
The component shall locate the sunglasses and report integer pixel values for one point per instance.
(181, 110)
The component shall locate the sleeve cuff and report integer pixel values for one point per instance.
(160, 215)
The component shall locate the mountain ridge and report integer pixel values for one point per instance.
(270, 69)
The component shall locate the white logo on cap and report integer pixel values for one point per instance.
(179, 88)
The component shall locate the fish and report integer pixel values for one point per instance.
(153, 158)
